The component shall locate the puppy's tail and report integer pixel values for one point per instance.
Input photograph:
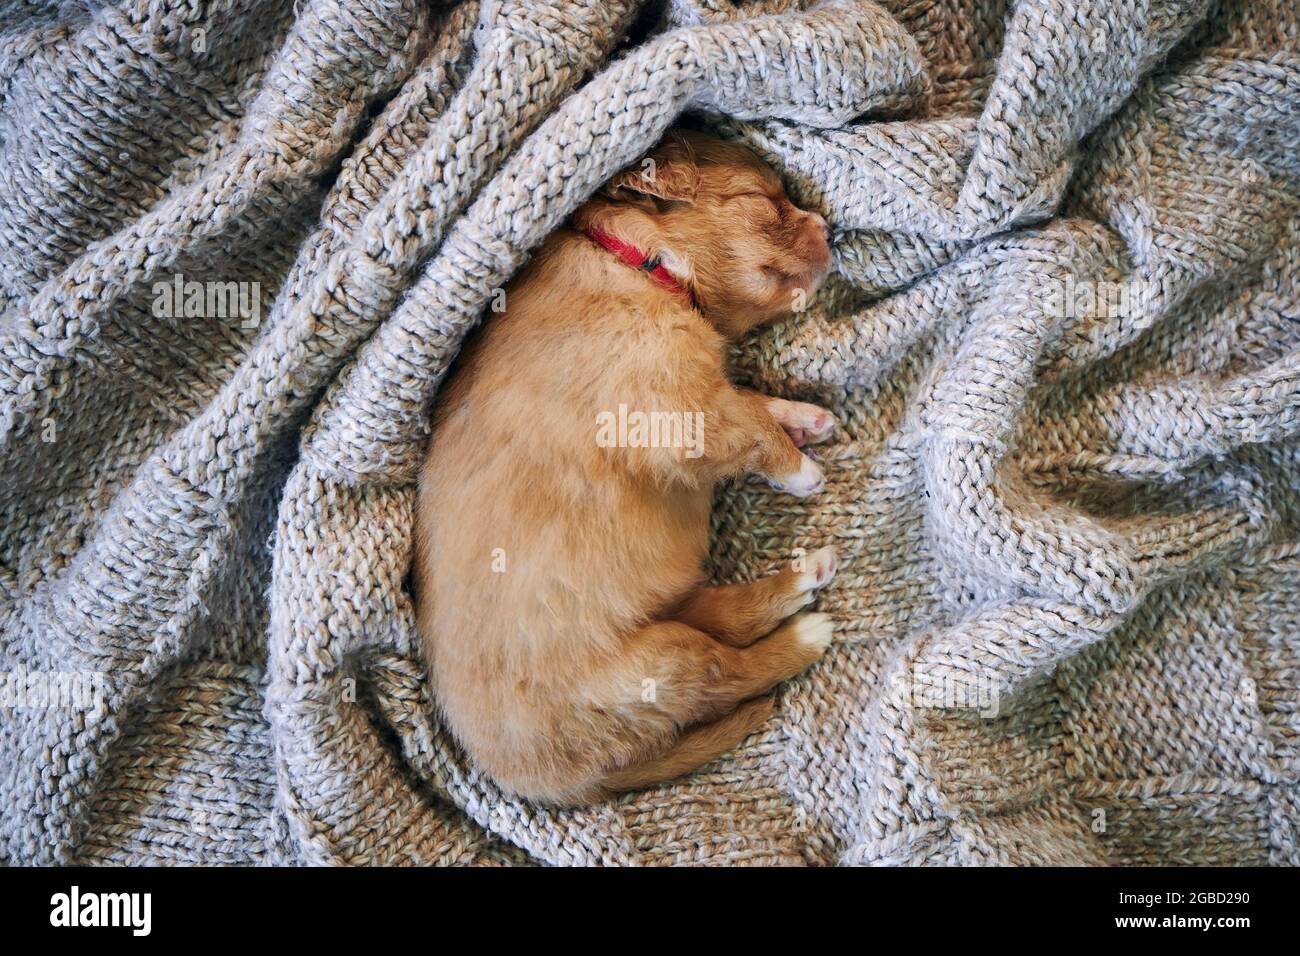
(694, 748)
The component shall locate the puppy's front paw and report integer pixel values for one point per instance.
(815, 570)
(807, 575)
(805, 424)
(808, 480)
(813, 630)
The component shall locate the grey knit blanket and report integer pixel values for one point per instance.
(242, 240)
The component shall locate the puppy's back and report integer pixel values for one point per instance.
(536, 549)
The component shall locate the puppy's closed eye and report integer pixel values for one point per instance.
(778, 275)
(760, 207)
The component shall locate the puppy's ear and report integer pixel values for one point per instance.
(669, 173)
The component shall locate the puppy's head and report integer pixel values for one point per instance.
(719, 220)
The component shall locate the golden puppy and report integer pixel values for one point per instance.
(564, 505)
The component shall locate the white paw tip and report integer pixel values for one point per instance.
(813, 630)
(808, 480)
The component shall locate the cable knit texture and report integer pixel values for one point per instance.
(1062, 337)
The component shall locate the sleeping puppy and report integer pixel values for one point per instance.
(563, 521)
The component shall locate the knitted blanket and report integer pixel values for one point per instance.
(244, 239)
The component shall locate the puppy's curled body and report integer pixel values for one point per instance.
(571, 646)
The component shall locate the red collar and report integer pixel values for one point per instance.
(642, 261)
